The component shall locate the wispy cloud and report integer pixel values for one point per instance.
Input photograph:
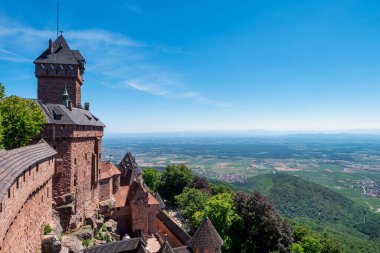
(12, 57)
(166, 85)
(114, 57)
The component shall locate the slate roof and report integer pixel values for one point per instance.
(160, 201)
(165, 248)
(62, 54)
(129, 245)
(206, 236)
(129, 163)
(174, 228)
(14, 162)
(60, 114)
(182, 249)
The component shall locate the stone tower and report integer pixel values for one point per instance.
(75, 133)
(59, 66)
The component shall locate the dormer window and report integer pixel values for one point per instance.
(71, 67)
(51, 66)
(42, 66)
(61, 67)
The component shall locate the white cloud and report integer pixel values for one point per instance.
(112, 56)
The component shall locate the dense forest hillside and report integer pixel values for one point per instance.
(325, 211)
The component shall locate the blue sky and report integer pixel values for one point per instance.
(162, 66)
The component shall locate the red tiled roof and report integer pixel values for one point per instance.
(108, 169)
(121, 196)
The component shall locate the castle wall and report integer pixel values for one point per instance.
(77, 169)
(26, 208)
(105, 189)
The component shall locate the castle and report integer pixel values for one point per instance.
(61, 178)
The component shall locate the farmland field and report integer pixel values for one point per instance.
(348, 164)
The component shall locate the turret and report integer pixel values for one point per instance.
(206, 239)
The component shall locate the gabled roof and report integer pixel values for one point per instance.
(60, 114)
(62, 54)
(108, 170)
(129, 163)
(14, 162)
(165, 248)
(206, 236)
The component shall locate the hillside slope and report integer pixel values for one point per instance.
(324, 210)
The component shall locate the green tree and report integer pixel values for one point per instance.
(296, 248)
(190, 201)
(2, 95)
(151, 178)
(174, 180)
(2, 91)
(221, 211)
(263, 230)
(311, 244)
(220, 188)
(22, 120)
(330, 245)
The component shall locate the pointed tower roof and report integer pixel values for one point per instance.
(60, 54)
(206, 236)
(165, 248)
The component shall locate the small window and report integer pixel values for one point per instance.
(9, 193)
(37, 165)
(30, 171)
(55, 147)
(1, 207)
(24, 176)
(17, 184)
(75, 161)
(42, 198)
(47, 194)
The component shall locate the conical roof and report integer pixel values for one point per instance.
(206, 236)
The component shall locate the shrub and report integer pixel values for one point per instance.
(47, 229)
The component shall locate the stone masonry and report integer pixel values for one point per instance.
(27, 203)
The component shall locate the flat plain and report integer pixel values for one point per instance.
(348, 164)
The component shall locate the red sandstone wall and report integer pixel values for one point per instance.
(52, 79)
(105, 187)
(123, 217)
(27, 210)
(78, 150)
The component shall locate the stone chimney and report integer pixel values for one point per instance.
(87, 106)
(51, 49)
(70, 107)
